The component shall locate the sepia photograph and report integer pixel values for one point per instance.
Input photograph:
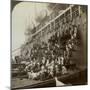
(48, 44)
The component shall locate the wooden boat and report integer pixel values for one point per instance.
(74, 78)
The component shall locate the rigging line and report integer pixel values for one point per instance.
(16, 49)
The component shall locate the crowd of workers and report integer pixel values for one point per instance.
(53, 58)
